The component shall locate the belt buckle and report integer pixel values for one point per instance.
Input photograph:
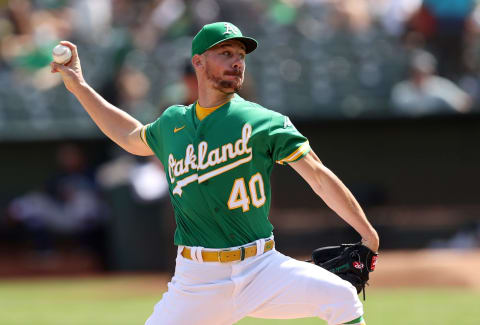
(225, 258)
(219, 255)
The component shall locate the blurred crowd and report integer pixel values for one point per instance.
(317, 58)
(82, 208)
(67, 204)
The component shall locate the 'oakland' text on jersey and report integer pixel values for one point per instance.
(219, 169)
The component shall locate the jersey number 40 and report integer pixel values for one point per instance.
(239, 197)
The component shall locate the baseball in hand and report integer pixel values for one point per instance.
(61, 54)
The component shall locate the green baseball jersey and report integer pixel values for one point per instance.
(218, 169)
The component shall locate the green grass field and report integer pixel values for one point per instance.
(129, 300)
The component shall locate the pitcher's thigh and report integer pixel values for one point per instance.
(187, 308)
(300, 289)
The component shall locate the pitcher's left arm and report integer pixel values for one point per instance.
(337, 196)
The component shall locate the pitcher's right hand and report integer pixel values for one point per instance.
(72, 72)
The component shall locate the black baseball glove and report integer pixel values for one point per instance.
(351, 262)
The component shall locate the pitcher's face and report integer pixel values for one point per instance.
(225, 66)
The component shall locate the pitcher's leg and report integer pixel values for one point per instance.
(176, 308)
(288, 288)
(199, 293)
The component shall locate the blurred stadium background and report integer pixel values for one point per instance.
(387, 91)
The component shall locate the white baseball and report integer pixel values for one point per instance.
(61, 54)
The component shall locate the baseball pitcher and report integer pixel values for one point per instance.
(218, 154)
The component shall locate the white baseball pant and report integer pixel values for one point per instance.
(270, 285)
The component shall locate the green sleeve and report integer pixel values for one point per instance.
(286, 143)
(153, 136)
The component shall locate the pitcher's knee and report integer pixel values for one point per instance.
(335, 288)
(348, 291)
(341, 303)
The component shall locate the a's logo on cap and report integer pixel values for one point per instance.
(229, 29)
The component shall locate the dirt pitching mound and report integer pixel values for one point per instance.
(428, 268)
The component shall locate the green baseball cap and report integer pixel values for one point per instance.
(215, 33)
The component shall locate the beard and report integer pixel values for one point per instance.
(225, 85)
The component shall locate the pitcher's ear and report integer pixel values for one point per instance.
(197, 61)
